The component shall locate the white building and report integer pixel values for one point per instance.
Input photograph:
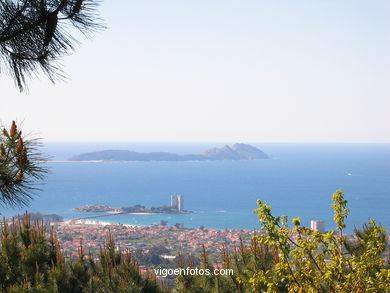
(317, 225)
(177, 202)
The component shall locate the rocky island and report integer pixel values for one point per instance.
(238, 151)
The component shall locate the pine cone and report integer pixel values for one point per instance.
(12, 131)
(19, 147)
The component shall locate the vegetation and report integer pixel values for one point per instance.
(310, 261)
(42, 217)
(35, 34)
(277, 260)
(301, 260)
(245, 262)
(20, 167)
(29, 262)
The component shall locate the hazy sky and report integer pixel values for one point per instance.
(220, 70)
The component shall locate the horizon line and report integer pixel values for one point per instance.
(213, 142)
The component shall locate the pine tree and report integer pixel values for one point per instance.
(32, 262)
(21, 166)
(35, 34)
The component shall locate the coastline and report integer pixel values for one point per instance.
(93, 222)
(122, 213)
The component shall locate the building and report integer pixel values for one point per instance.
(317, 225)
(173, 201)
(177, 202)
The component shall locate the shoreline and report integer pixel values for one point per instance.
(94, 222)
(102, 224)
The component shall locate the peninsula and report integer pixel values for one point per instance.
(176, 207)
(238, 151)
(137, 209)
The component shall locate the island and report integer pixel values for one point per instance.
(176, 207)
(137, 209)
(238, 151)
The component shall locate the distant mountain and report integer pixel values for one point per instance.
(238, 151)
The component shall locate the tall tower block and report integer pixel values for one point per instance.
(173, 201)
(317, 225)
(179, 202)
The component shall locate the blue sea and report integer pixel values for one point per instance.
(298, 180)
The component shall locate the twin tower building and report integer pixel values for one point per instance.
(177, 202)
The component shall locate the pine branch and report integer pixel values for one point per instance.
(33, 36)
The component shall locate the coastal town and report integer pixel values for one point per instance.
(151, 245)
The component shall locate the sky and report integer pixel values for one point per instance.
(217, 71)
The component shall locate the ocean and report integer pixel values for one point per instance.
(298, 180)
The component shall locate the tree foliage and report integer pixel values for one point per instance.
(32, 262)
(311, 261)
(21, 166)
(35, 34)
(297, 259)
(278, 260)
(244, 260)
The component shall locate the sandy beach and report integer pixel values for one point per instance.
(94, 222)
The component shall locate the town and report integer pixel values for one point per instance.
(153, 244)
